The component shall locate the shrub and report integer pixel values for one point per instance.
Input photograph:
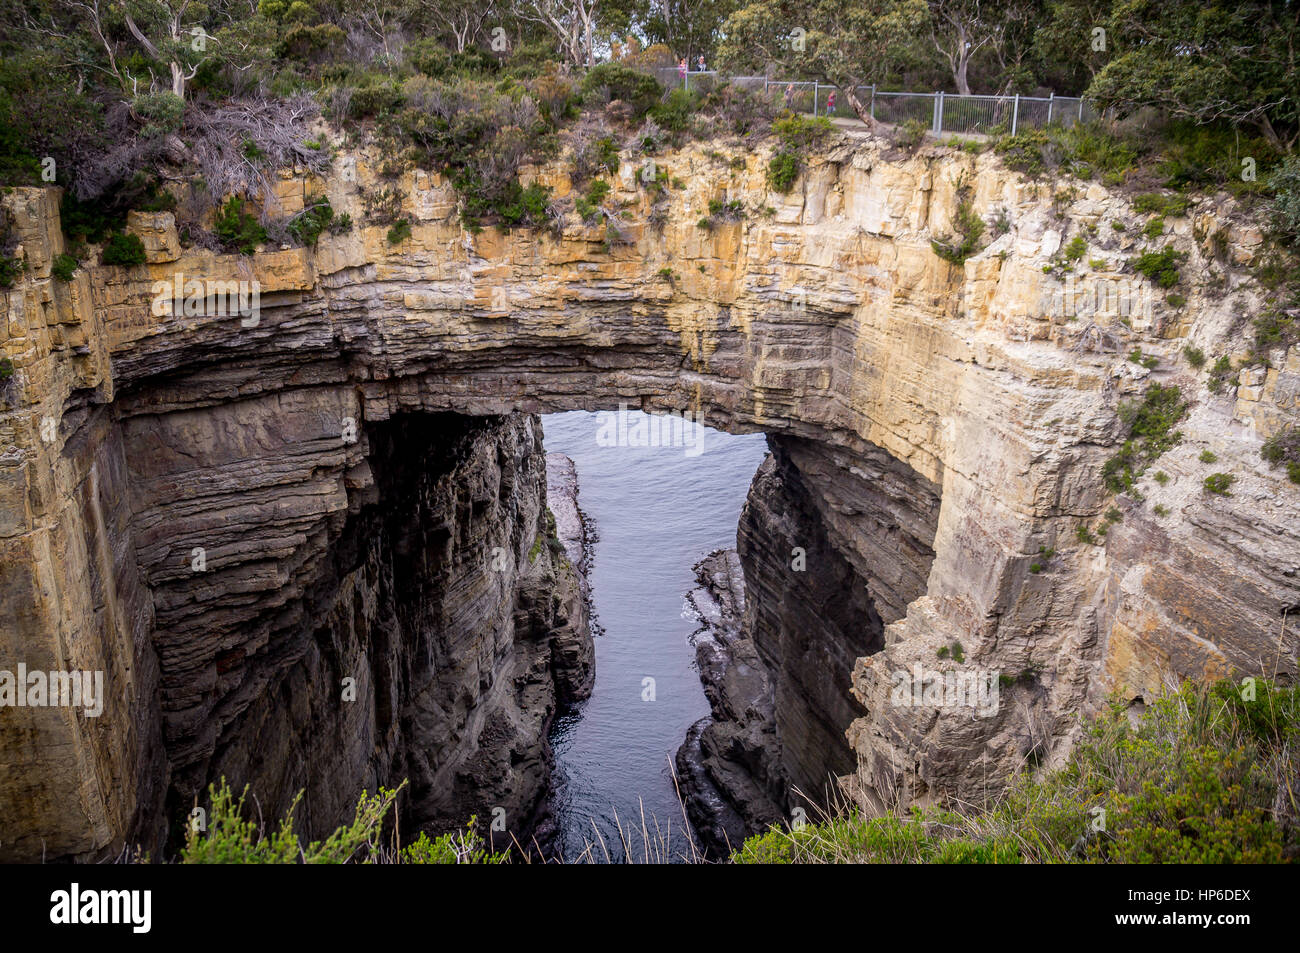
(1203, 776)
(232, 839)
(1209, 456)
(1195, 356)
(910, 134)
(308, 224)
(1284, 209)
(6, 369)
(677, 110)
(1161, 267)
(1150, 424)
(123, 249)
(783, 170)
(525, 207)
(400, 231)
(458, 847)
(238, 229)
(63, 267)
(10, 269)
(589, 205)
(968, 226)
(380, 98)
(1274, 328)
(1220, 374)
(1218, 483)
(1162, 205)
(1284, 448)
(639, 90)
(160, 112)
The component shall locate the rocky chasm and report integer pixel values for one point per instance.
(349, 464)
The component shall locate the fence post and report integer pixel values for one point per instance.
(873, 100)
(1015, 114)
(938, 113)
(1051, 98)
(816, 96)
(1080, 109)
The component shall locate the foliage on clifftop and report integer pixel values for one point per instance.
(231, 837)
(1206, 775)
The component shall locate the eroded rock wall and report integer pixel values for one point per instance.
(824, 315)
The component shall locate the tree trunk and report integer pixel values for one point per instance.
(963, 64)
(862, 109)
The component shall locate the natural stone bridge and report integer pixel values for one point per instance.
(943, 431)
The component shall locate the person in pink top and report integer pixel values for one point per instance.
(830, 103)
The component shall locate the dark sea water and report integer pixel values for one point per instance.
(656, 512)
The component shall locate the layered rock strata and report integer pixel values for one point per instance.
(977, 402)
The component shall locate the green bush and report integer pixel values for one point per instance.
(1150, 432)
(161, 112)
(1284, 448)
(1218, 483)
(458, 847)
(380, 98)
(783, 170)
(910, 134)
(10, 269)
(639, 90)
(677, 111)
(63, 267)
(968, 227)
(1162, 205)
(400, 231)
(6, 369)
(1195, 356)
(1204, 776)
(526, 207)
(1284, 208)
(589, 205)
(230, 838)
(238, 229)
(1161, 267)
(123, 249)
(1220, 374)
(308, 224)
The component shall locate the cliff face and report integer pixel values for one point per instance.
(939, 427)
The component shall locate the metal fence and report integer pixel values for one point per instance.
(940, 112)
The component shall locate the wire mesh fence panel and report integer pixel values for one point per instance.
(976, 114)
(753, 84)
(797, 97)
(1033, 112)
(670, 77)
(973, 114)
(900, 107)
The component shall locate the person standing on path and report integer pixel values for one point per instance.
(681, 70)
(830, 103)
(700, 66)
(789, 96)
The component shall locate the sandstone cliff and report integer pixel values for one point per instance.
(942, 426)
